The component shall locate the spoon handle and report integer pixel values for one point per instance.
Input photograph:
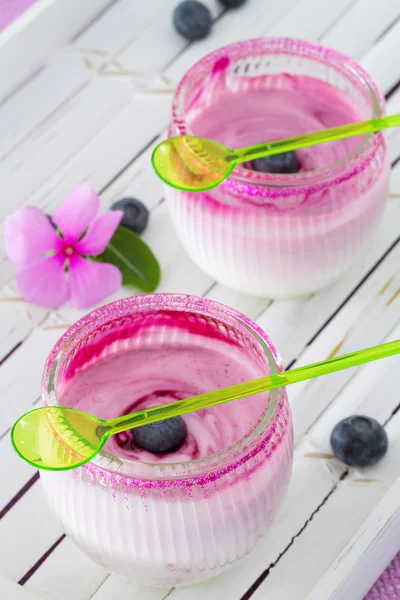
(264, 384)
(312, 139)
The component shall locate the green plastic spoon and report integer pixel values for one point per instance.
(196, 164)
(58, 438)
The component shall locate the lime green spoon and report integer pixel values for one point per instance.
(196, 164)
(58, 438)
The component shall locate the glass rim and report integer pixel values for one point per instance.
(243, 179)
(188, 473)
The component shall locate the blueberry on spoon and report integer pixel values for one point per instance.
(136, 215)
(192, 20)
(359, 441)
(161, 437)
(286, 162)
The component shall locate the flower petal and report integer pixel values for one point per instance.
(28, 234)
(77, 212)
(90, 282)
(99, 233)
(43, 282)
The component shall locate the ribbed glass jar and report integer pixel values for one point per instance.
(172, 524)
(280, 235)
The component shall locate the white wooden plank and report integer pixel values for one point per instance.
(67, 574)
(137, 179)
(364, 321)
(16, 472)
(114, 588)
(342, 519)
(379, 61)
(17, 318)
(393, 135)
(393, 106)
(71, 69)
(312, 17)
(366, 393)
(378, 549)
(12, 591)
(30, 519)
(20, 374)
(139, 56)
(340, 524)
(394, 145)
(349, 37)
(59, 138)
(126, 21)
(108, 152)
(43, 28)
(376, 541)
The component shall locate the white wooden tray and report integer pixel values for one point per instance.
(94, 112)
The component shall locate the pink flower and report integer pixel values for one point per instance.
(52, 269)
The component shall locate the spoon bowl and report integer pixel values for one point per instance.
(55, 437)
(192, 163)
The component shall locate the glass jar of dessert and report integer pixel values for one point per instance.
(191, 500)
(290, 224)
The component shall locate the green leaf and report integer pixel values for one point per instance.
(135, 260)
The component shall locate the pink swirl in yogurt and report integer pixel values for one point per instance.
(174, 360)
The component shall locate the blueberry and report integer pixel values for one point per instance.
(232, 3)
(161, 437)
(136, 215)
(359, 441)
(192, 20)
(286, 162)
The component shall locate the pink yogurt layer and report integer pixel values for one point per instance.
(126, 377)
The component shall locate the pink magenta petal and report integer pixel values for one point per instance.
(90, 282)
(77, 212)
(28, 234)
(100, 233)
(43, 282)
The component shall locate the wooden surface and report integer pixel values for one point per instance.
(93, 113)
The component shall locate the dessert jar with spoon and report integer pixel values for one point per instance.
(292, 224)
(183, 515)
